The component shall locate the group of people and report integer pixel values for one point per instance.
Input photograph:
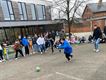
(40, 43)
(29, 45)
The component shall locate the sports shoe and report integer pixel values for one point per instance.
(71, 56)
(41, 52)
(16, 58)
(97, 50)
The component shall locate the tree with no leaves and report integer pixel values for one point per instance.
(70, 9)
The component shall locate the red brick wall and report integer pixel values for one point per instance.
(101, 14)
(82, 27)
(99, 23)
(87, 13)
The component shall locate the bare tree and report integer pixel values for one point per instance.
(71, 9)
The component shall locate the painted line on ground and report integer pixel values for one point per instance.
(68, 76)
(44, 77)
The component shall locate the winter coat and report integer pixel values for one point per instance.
(97, 34)
(24, 42)
(67, 47)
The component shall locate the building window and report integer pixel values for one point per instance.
(44, 12)
(41, 12)
(22, 11)
(7, 10)
(33, 11)
(10, 10)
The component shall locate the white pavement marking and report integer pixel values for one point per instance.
(44, 77)
(68, 76)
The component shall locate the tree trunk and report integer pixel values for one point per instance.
(68, 16)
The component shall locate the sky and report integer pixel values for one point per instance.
(55, 13)
(91, 0)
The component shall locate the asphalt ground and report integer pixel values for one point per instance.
(85, 65)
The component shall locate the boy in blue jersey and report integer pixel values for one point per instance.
(67, 48)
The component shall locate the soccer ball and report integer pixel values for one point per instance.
(37, 69)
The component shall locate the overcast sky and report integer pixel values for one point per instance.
(55, 13)
(91, 0)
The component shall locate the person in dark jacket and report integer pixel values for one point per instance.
(97, 35)
(67, 48)
(105, 30)
(105, 33)
(35, 46)
(51, 38)
(1, 53)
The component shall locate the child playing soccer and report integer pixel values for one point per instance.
(5, 51)
(67, 48)
(17, 48)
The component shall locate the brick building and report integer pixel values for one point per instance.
(94, 14)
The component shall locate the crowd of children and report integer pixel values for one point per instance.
(40, 43)
(36, 44)
(28, 45)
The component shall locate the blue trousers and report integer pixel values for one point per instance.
(42, 47)
(96, 43)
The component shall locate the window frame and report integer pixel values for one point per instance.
(9, 10)
(34, 11)
(22, 11)
(42, 12)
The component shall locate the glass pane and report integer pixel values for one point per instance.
(20, 9)
(44, 12)
(24, 11)
(33, 11)
(12, 17)
(40, 12)
(5, 10)
(22, 17)
(10, 7)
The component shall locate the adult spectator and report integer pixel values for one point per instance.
(105, 33)
(105, 30)
(97, 35)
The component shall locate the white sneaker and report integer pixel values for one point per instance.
(41, 52)
(97, 50)
(0, 61)
(16, 58)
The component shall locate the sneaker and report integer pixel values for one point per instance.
(0, 61)
(71, 56)
(16, 58)
(97, 50)
(41, 52)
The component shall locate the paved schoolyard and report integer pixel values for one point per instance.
(86, 65)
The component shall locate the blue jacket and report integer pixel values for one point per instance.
(67, 47)
(25, 42)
